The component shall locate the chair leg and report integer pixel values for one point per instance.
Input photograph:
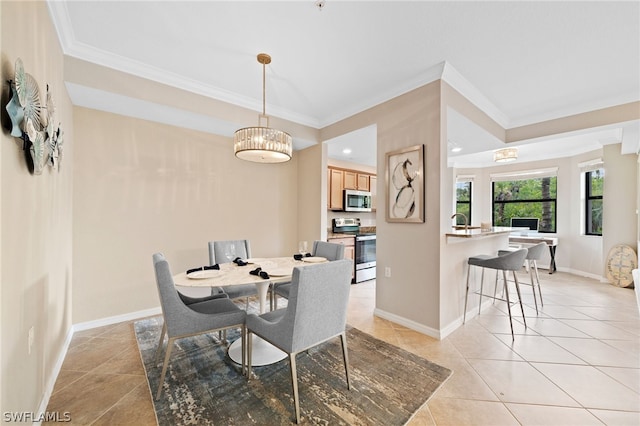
(533, 284)
(515, 279)
(506, 292)
(495, 288)
(243, 336)
(249, 350)
(345, 357)
(466, 295)
(164, 366)
(481, 290)
(294, 382)
(162, 333)
(535, 267)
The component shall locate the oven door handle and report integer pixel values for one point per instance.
(365, 237)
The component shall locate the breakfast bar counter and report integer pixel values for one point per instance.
(476, 232)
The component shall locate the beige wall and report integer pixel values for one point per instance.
(411, 250)
(142, 187)
(36, 221)
(619, 219)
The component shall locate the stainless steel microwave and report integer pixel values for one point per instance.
(356, 201)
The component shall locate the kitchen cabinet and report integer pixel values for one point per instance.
(349, 249)
(335, 189)
(341, 179)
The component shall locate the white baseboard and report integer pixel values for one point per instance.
(116, 319)
(48, 390)
(408, 323)
(65, 347)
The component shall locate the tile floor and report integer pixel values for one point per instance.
(577, 363)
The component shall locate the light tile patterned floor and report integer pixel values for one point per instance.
(577, 363)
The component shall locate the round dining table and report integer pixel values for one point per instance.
(279, 270)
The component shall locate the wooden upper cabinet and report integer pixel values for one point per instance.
(350, 180)
(335, 189)
(341, 179)
(363, 182)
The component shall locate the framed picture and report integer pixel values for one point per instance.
(405, 184)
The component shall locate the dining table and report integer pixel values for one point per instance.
(279, 270)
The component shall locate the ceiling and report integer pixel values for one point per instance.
(520, 62)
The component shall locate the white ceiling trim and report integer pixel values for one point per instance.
(469, 91)
(101, 100)
(72, 47)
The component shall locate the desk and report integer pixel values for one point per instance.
(229, 274)
(552, 242)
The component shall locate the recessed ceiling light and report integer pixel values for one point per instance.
(456, 149)
(346, 151)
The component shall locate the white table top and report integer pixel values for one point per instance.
(231, 274)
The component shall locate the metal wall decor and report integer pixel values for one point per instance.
(34, 123)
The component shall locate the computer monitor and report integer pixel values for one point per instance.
(525, 222)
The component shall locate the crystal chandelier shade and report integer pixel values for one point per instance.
(262, 144)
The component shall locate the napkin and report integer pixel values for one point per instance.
(203, 268)
(258, 271)
(238, 261)
(299, 256)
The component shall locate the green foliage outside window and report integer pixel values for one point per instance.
(526, 198)
(463, 201)
(594, 185)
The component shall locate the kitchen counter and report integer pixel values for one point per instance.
(478, 233)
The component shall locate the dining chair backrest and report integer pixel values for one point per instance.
(170, 302)
(330, 251)
(307, 322)
(226, 251)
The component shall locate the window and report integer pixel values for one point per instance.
(535, 197)
(463, 201)
(594, 181)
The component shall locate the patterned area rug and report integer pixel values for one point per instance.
(204, 387)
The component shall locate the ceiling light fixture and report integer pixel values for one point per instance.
(505, 154)
(346, 151)
(262, 144)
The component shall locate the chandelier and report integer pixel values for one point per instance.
(505, 154)
(262, 144)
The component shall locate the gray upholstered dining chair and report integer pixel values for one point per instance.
(305, 323)
(330, 251)
(226, 252)
(182, 320)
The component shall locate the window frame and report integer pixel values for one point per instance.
(525, 177)
(458, 202)
(588, 200)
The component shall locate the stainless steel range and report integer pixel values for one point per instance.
(365, 247)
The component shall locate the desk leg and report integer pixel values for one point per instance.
(552, 264)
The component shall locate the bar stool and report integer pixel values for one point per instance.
(510, 261)
(533, 255)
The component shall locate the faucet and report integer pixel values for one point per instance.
(466, 222)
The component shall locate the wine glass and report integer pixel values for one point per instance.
(302, 247)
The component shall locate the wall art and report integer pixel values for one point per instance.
(405, 184)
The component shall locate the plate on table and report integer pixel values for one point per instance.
(279, 272)
(203, 275)
(314, 259)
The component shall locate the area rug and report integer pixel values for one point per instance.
(204, 387)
